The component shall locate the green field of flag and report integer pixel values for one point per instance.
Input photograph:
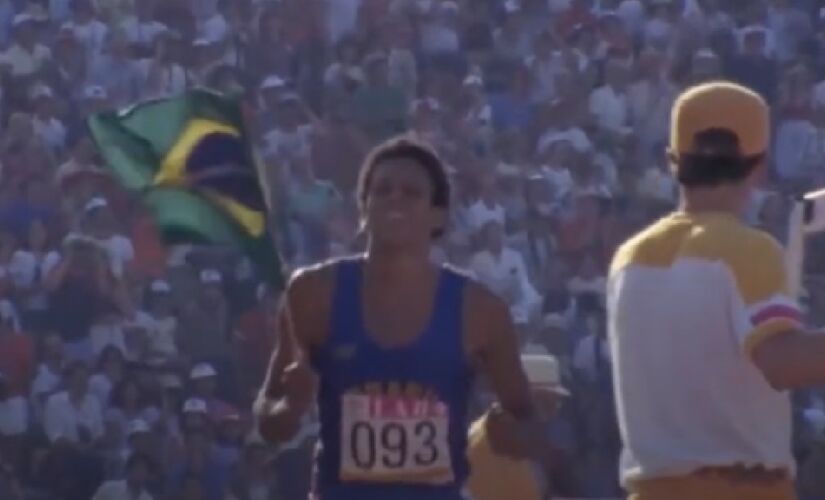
(191, 160)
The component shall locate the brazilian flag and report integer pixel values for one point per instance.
(191, 160)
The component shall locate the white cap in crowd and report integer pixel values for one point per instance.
(578, 139)
(95, 92)
(21, 19)
(137, 426)
(194, 405)
(543, 371)
(210, 276)
(473, 80)
(95, 203)
(41, 90)
(448, 6)
(511, 6)
(160, 286)
(273, 82)
(78, 238)
(429, 103)
(202, 370)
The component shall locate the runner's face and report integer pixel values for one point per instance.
(399, 209)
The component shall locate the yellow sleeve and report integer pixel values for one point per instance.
(762, 305)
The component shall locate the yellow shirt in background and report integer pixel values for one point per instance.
(494, 477)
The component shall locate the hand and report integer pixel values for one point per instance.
(299, 383)
(506, 434)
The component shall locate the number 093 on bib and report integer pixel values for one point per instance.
(394, 439)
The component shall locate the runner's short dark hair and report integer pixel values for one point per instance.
(405, 147)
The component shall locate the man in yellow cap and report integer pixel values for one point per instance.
(705, 337)
(498, 477)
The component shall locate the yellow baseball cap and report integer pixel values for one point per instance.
(720, 105)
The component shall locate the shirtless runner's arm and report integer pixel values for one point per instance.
(290, 384)
(493, 345)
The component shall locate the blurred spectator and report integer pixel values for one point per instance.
(380, 108)
(13, 420)
(255, 335)
(99, 224)
(311, 202)
(16, 352)
(204, 386)
(198, 474)
(161, 73)
(161, 322)
(140, 28)
(82, 290)
(649, 101)
(87, 29)
(115, 69)
(601, 437)
(49, 129)
(609, 103)
(344, 75)
(110, 372)
(204, 329)
(504, 271)
(128, 403)
(754, 67)
(138, 469)
(73, 422)
(49, 373)
(26, 56)
(74, 416)
(251, 477)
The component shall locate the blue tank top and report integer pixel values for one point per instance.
(393, 420)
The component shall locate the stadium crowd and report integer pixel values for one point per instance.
(127, 368)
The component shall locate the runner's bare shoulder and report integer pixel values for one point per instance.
(485, 315)
(310, 290)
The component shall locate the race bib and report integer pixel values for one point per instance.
(394, 439)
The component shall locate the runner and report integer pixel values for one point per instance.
(394, 341)
(705, 339)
